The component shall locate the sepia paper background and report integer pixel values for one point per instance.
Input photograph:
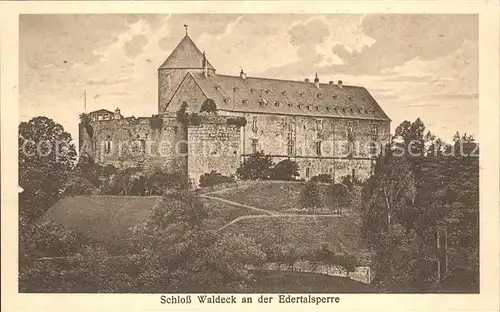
(487, 300)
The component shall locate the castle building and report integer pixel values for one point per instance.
(326, 128)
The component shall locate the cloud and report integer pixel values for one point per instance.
(135, 46)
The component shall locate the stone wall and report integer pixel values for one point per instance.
(132, 142)
(213, 145)
(362, 274)
(274, 133)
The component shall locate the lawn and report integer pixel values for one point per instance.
(275, 196)
(220, 213)
(305, 234)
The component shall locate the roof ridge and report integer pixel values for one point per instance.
(286, 80)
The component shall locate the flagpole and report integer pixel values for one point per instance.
(85, 101)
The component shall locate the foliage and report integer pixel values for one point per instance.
(77, 185)
(172, 254)
(310, 197)
(257, 167)
(214, 178)
(156, 122)
(85, 120)
(208, 106)
(182, 115)
(324, 254)
(322, 178)
(285, 170)
(194, 119)
(46, 158)
(409, 198)
(238, 121)
(159, 182)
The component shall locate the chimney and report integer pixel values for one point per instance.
(316, 81)
(204, 65)
(340, 84)
(118, 115)
(330, 82)
(306, 80)
(243, 75)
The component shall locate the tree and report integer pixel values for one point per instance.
(208, 106)
(323, 178)
(285, 170)
(309, 196)
(46, 158)
(257, 167)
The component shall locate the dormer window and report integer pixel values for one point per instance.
(283, 92)
(217, 87)
(317, 107)
(262, 101)
(308, 106)
(290, 104)
(227, 100)
(267, 91)
(235, 89)
(244, 101)
(328, 108)
(252, 90)
(319, 95)
(277, 104)
(299, 106)
(350, 97)
(301, 93)
(334, 96)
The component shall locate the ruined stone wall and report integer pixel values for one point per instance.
(132, 142)
(213, 145)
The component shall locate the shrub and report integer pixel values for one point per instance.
(156, 122)
(214, 178)
(323, 178)
(159, 182)
(257, 167)
(182, 115)
(309, 197)
(194, 119)
(77, 185)
(238, 121)
(285, 170)
(85, 120)
(208, 106)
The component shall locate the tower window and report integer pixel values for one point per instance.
(318, 148)
(255, 142)
(254, 124)
(307, 173)
(375, 131)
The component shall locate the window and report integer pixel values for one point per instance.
(254, 124)
(375, 131)
(318, 148)
(108, 145)
(290, 144)
(350, 131)
(255, 142)
(307, 173)
(319, 125)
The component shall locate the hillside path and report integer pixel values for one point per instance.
(276, 216)
(267, 212)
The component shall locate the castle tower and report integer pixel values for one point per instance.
(186, 57)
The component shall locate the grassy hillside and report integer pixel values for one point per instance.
(305, 234)
(276, 196)
(102, 218)
(220, 213)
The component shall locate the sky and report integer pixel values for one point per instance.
(414, 65)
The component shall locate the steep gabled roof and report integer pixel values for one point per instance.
(185, 55)
(264, 95)
(100, 111)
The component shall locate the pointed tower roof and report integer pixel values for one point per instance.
(186, 55)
